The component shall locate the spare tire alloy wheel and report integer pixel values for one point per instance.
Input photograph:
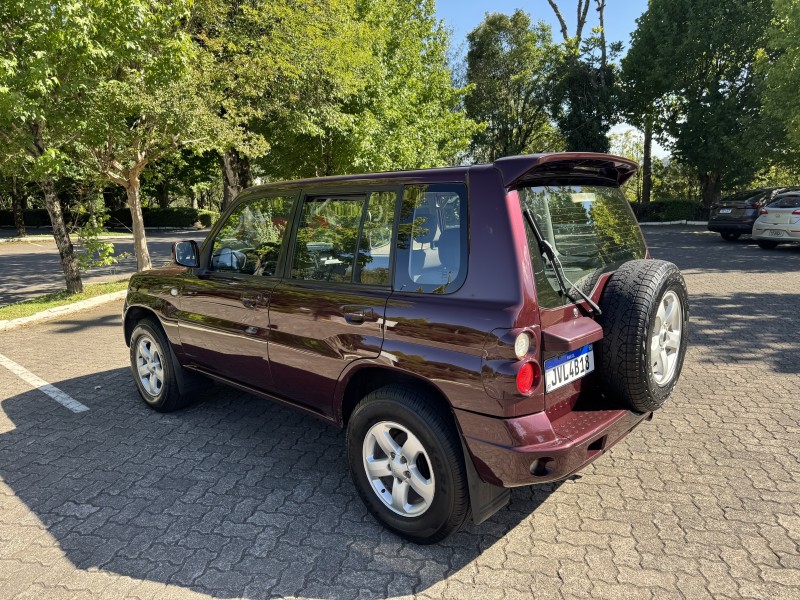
(400, 475)
(665, 338)
(645, 316)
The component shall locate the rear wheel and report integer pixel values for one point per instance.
(645, 317)
(730, 236)
(406, 462)
(767, 244)
(153, 370)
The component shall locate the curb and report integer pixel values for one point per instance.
(663, 223)
(58, 311)
(28, 240)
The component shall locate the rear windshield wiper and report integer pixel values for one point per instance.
(558, 268)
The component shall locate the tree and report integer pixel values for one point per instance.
(630, 144)
(511, 67)
(147, 106)
(398, 109)
(47, 51)
(709, 96)
(584, 100)
(780, 63)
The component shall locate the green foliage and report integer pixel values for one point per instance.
(694, 62)
(585, 100)
(781, 98)
(511, 68)
(62, 298)
(630, 144)
(396, 109)
(667, 210)
(95, 251)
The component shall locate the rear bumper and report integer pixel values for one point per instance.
(791, 232)
(731, 226)
(534, 449)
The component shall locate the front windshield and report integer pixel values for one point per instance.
(591, 229)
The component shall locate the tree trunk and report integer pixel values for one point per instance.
(69, 262)
(710, 188)
(163, 194)
(235, 175)
(139, 239)
(17, 206)
(647, 162)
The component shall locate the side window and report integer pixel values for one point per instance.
(327, 237)
(432, 239)
(250, 240)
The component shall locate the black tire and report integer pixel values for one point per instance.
(630, 304)
(767, 244)
(169, 397)
(434, 428)
(730, 236)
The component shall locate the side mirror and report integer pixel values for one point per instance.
(186, 253)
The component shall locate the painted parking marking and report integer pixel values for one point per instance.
(56, 394)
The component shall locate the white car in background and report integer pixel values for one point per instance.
(779, 221)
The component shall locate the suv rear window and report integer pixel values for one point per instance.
(591, 228)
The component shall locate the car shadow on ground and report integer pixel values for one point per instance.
(232, 497)
(747, 328)
(709, 253)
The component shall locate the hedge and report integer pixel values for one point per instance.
(164, 217)
(153, 217)
(670, 210)
(34, 217)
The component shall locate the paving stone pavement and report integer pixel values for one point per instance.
(236, 497)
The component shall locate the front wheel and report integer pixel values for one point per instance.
(730, 236)
(153, 370)
(767, 244)
(406, 462)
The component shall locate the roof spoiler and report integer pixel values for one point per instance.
(564, 167)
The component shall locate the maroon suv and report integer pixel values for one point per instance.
(473, 328)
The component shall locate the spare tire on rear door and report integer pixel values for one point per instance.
(645, 313)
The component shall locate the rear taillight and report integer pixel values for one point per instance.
(528, 377)
(763, 211)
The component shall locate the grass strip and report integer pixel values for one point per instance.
(62, 298)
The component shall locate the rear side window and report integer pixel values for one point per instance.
(249, 242)
(345, 239)
(432, 238)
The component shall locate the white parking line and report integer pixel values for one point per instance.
(40, 384)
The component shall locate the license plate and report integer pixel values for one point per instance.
(776, 233)
(564, 369)
(725, 211)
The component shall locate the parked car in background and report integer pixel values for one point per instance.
(734, 215)
(472, 328)
(779, 221)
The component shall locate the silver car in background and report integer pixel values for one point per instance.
(779, 221)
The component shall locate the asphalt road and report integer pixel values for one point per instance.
(237, 497)
(28, 269)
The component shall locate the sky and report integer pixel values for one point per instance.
(462, 16)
